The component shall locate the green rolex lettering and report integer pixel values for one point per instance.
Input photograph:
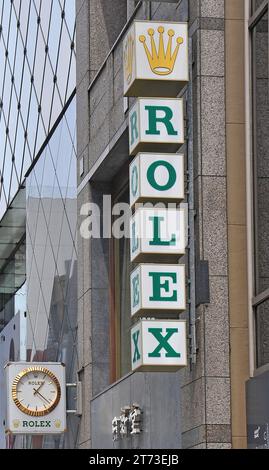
(136, 353)
(134, 238)
(165, 120)
(166, 285)
(157, 241)
(151, 175)
(136, 295)
(163, 342)
(134, 181)
(134, 127)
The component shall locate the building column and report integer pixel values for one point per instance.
(237, 230)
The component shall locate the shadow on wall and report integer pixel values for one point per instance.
(115, 17)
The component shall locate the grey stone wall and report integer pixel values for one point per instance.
(98, 24)
(161, 428)
(206, 388)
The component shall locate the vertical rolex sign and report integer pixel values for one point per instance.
(157, 235)
(156, 124)
(158, 290)
(155, 59)
(155, 55)
(157, 177)
(159, 345)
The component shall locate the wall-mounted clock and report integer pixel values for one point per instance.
(36, 391)
(36, 398)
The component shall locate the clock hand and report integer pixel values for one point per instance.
(38, 393)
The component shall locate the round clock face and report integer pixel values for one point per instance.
(36, 391)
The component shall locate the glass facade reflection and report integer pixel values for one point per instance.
(38, 207)
(12, 276)
(37, 76)
(51, 255)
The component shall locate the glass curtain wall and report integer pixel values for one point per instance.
(37, 76)
(12, 277)
(51, 258)
(38, 142)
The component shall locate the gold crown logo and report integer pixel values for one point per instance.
(58, 423)
(16, 423)
(161, 62)
(128, 58)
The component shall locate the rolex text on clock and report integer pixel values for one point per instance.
(36, 398)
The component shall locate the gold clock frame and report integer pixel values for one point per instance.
(28, 411)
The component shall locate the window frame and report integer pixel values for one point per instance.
(256, 298)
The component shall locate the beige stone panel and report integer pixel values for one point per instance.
(234, 9)
(239, 375)
(235, 87)
(237, 239)
(239, 443)
(236, 173)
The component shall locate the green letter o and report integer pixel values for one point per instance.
(151, 175)
(134, 182)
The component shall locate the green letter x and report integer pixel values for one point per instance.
(163, 342)
(136, 353)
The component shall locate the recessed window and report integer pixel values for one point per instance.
(260, 145)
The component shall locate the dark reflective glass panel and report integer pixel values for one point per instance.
(52, 257)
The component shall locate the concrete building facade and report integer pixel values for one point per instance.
(207, 399)
(65, 293)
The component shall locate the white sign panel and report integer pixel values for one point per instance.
(157, 232)
(157, 176)
(36, 398)
(158, 289)
(156, 124)
(159, 345)
(155, 56)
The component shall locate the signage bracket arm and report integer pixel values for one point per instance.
(78, 398)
